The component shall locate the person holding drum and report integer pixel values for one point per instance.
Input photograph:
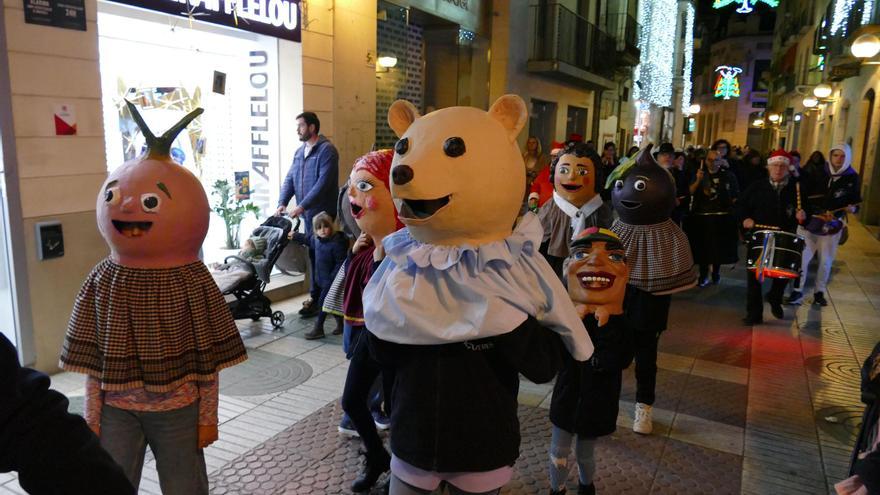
(833, 190)
(711, 227)
(770, 210)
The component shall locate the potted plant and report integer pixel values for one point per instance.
(231, 210)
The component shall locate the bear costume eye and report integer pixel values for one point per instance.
(454, 147)
(402, 146)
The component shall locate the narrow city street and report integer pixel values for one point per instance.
(772, 409)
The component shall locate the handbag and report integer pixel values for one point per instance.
(295, 257)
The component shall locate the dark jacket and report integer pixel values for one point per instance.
(455, 405)
(765, 206)
(330, 253)
(723, 190)
(586, 395)
(682, 194)
(827, 193)
(868, 468)
(53, 451)
(313, 180)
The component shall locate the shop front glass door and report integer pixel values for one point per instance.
(7, 296)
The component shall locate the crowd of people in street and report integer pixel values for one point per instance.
(613, 236)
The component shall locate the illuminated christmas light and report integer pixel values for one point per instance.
(727, 86)
(654, 73)
(746, 5)
(687, 87)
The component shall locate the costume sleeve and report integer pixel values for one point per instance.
(535, 351)
(614, 346)
(328, 178)
(209, 401)
(868, 471)
(300, 238)
(52, 450)
(94, 401)
(287, 187)
(340, 252)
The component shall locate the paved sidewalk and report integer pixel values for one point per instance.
(766, 410)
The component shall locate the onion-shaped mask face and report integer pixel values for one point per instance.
(152, 212)
(371, 204)
(574, 178)
(646, 194)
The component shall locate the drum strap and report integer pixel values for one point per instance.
(766, 255)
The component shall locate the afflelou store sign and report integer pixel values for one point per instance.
(277, 18)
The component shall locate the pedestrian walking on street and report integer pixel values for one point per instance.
(770, 204)
(834, 190)
(313, 179)
(711, 226)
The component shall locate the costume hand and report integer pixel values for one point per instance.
(361, 242)
(379, 252)
(582, 310)
(297, 211)
(801, 215)
(602, 315)
(207, 435)
(748, 223)
(280, 211)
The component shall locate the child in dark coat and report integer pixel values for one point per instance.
(586, 394)
(331, 249)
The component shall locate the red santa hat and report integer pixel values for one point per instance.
(780, 156)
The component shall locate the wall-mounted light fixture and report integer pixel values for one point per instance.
(865, 46)
(386, 62)
(810, 101)
(822, 91)
(773, 117)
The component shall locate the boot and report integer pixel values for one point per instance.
(561, 491)
(338, 329)
(586, 489)
(373, 469)
(318, 330)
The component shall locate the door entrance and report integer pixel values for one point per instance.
(542, 122)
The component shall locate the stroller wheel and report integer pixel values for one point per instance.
(277, 319)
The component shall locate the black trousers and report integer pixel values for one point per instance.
(314, 289)
(755, 298)
(363, 371)
(704, 271)
(646, 365)
(648, 315)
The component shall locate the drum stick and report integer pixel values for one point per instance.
(766, 227)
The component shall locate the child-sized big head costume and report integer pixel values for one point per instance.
(657, 250)
(597, 273)
(369, 194)
(464, 268)
(576, 205)
(150, 315)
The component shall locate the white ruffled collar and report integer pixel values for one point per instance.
(407, 252)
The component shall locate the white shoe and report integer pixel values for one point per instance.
(643, 422)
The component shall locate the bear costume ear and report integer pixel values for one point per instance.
(511, 112)
(401, 114)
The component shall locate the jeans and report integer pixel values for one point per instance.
(754, 298)
(363, 371)
(314, 289)
(172, 436)
(826, 247)
(560, 448)
(399, 487)
(646, 365)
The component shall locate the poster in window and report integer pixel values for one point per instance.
(242, 185)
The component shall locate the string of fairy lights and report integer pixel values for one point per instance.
(688, 66)
(654, 73)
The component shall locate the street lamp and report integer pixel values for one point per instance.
(758, 122)
(810, 101)
(865, 46)
(822, 91)
(387, 62)
(774, 117)
(694, 109)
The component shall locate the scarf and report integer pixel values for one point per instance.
(580, 215)
(152, 328)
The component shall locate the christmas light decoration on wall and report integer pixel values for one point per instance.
(842, 11)
(746, 5)
(687, 68)
(654, 73)
(727, 86)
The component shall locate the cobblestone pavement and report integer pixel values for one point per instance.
(771, 409)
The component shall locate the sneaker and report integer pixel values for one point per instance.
(704, 282)
(819, 298)
(776, 310)
(716, 279)
(795, 298)
(346, 427)
(643, 422)
(373, 469)
(382, 421)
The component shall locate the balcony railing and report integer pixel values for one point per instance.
(560, 35)
(625, 30)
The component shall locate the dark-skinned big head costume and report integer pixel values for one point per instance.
(643, 194)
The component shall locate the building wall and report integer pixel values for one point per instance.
(405, 80)
(58, 176)
(509, 75)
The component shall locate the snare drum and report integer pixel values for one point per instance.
(775, 254)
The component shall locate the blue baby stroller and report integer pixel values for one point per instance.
(247, 279)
